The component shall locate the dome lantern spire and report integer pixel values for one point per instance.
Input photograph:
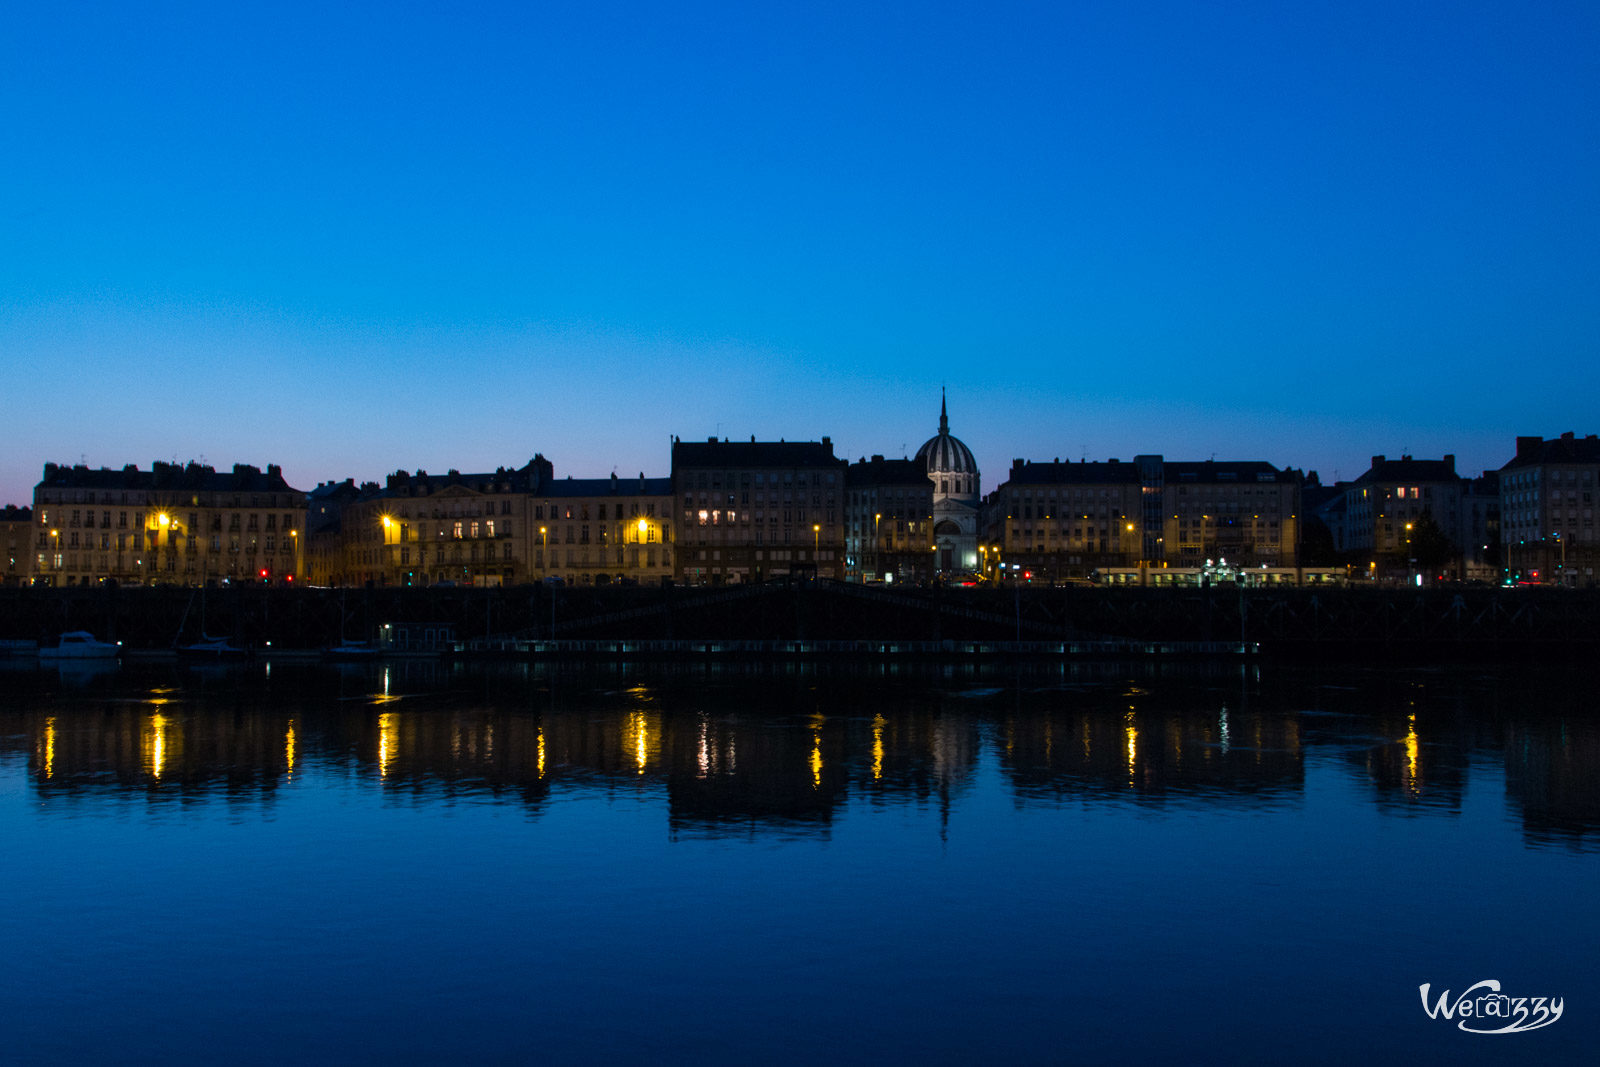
(944, 415)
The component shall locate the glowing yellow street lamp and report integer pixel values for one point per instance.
(544, 551)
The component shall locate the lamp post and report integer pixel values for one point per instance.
(877, 547)
(816, 541)
(544, 551)
(1411, 561)
(388, 524)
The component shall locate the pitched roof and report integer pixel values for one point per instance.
(190, 477)
(641, 486)
(1568, 448)
(1406, 469)
(1253, 470)
(1111, 473)
(880, 471)
(715, 453)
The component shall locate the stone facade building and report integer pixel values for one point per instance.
(750, 511)
(1547, 509)
(504, 527)
(173, 524)
(1245, 512)
(598, 530)
(1064, 521)
(16, 545)
(1059, 521)
(889, 517)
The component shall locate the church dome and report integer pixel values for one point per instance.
(945, 454)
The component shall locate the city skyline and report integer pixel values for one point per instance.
(351, 243)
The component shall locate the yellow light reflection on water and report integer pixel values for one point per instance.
(288, 748)
(1132, 733)
(541, 751)
(1412, 751)
(817, 720)
(49, 746)
(158, 745)
(387, 742)
(877, 747)
(637, 738)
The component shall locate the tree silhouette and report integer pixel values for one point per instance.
(1429, 546)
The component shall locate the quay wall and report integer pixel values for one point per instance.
(1356, 622)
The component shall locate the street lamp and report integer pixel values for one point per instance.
(877, 546)
(816, 541)
(544, 551)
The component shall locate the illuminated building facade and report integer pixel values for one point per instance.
(1547, 509)
(505, 527)
(889, 521)
(432, 529)
(1246, 512)
(173, 524)
(1064, 521)
(591, 531)
(1058, 521)
(16, 545)
(1377, 523)
(749, 511)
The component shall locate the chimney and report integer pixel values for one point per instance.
(1378, 460)
(1450, 462)
(1527, 446)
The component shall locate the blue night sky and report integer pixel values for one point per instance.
(354, 238)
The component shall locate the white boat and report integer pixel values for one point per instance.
(80, 644)
(352, 650)
(212, 648)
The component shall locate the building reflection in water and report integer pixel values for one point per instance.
(762, 755)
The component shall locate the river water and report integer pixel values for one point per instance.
(418, 862)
